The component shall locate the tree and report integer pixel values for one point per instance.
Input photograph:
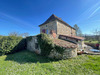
(96, 33)
(25, 34)
(78, 31)
(18, 34)
(14, 34)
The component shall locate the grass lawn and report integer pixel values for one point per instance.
(91, 42)
(28, 63)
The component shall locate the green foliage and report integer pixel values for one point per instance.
(90, 41)
(10, 44)
(29, 38)
(1, 36)
(46, 45)
(59, 49)
(78, 30)
(99, 42)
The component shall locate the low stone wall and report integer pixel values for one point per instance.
(31, 45)
(68, 53)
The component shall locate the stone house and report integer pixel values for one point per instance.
(53, 23)
(60, 29)
(62, 35)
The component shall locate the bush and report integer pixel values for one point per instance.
(47, 45)
(11, 44)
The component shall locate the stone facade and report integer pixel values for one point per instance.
(58, 27)
(32, 45)
(80, 44)
(68, 53)
(48, 27)
(65, 30)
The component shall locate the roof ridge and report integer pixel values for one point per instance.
(54, 17)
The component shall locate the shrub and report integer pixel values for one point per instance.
(47, 45)
(59, 49)
(11, 44)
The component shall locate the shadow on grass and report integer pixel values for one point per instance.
(26, 56)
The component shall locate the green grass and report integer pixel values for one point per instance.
(28, 63)
(91, 42)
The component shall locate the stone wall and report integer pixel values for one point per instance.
(31, 44)
(64, 30)
(58, 27)
(73, 32)
(80, 44)
(50, 26)
(68, 53)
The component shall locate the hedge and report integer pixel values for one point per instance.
(11, 44)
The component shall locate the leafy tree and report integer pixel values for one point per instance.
(78, 31)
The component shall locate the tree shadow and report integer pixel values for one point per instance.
(26, 56)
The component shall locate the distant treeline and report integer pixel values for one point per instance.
(92, 37)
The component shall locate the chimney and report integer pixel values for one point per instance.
(53, 33)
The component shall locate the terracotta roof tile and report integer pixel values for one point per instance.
(65, 44)
(54, 17)
(74, 37)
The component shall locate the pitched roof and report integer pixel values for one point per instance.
(74, 37)
(63, 43)
(54, 17)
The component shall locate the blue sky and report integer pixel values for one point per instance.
(25, 15)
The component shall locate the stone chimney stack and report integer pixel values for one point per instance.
(53, 33)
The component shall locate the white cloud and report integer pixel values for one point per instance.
(96, 10)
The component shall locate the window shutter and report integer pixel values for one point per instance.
(43, 30)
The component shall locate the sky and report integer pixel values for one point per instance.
(24, 16)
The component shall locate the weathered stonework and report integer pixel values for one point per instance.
(64, 30)
(49, 26)
(80, 44)
(68, 53)
(31, 45)
(59, 28)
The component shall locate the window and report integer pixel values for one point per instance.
(47, 31)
